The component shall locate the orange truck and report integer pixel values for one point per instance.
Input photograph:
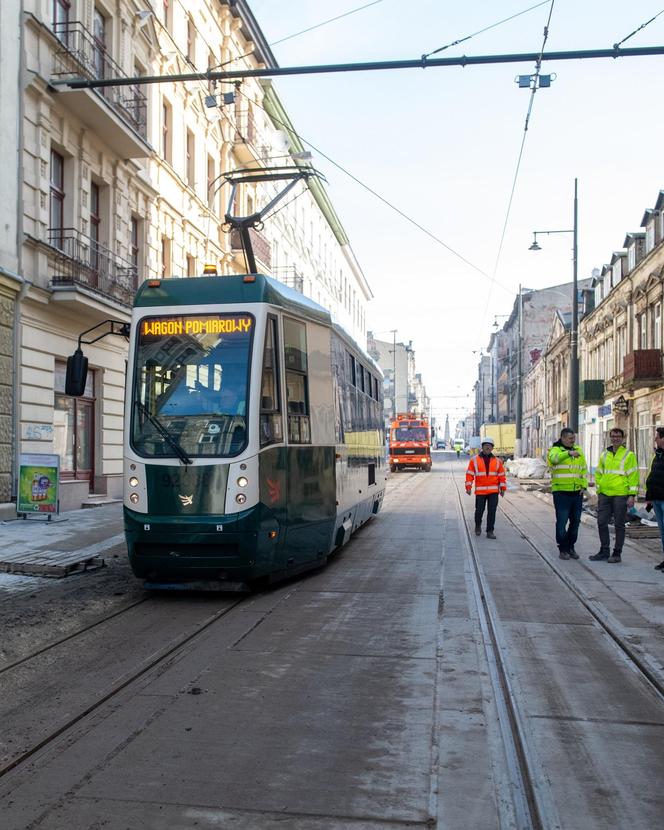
(410, 443)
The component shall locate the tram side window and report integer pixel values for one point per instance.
(297, 393)
(271, 425)
(351, 368)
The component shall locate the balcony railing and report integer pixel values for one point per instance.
(80, 53)
(643, 367)
(260, 244)
(79, 260)
(290, 276)
(613, 385)
(245, 126)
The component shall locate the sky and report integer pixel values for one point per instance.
(442, 145)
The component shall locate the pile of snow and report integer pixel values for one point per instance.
(527, 467)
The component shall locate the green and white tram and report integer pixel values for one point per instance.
(254, 441)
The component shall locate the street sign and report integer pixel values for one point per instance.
(621, 404)
(38, 484)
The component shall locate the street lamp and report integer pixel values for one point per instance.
(573, 406)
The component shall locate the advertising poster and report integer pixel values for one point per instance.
(38, 477)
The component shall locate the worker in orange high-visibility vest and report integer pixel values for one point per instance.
(488, 473)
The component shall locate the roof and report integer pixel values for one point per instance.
(231, 290)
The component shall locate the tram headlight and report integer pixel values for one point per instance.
(242, 481)
(133, 481)
(240, 498)
(133, 498)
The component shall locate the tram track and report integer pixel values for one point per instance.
(530, 805)
(528, 784)
(639, 661)
(73, 635)
(133, 675)
(118, 687)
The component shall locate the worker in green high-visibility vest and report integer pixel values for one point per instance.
(568, 481)
(617, 481)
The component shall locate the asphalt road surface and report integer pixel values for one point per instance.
(424, 678)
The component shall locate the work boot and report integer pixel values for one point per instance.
(490, 534)
(563, 555)
(660, 567)
(602, 556)
(478, 530)
(615, 558)
(573, 554)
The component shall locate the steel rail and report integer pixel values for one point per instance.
(115, 690)
(73, 635)
(529, 807)
(640, 662)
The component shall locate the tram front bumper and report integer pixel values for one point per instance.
(237, 547)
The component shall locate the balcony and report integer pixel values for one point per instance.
(261, 246)
(247, 139)
(118, 114)
(643, 367)
(591, 392)
(79, 261)
(290, 276)
(613, 385)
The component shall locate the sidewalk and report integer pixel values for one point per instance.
(33, 551)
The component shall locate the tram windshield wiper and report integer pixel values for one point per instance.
(165, 434)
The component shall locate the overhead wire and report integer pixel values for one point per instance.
(385, 201)
(325, 22)
(642, 26)
(485, 29)
(534, 84)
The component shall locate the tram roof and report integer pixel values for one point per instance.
(231, 289)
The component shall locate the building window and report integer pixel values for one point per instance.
(136, 230)
(657, 326)
(643, 331)
(191, 266)
(165, 256)
(57, 200)
(61, 19)
(211, 181)
(73, 428)
(99, 44)
(95, 221)
(191, 40)
(650, 236)
(167, 14)
(167, 131)
(190, 160)
(212, 64)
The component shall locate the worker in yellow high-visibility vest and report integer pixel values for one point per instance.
(617, 481)
(568, 482)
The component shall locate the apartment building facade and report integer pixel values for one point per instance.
(119, 184)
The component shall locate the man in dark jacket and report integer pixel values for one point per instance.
(655, 486)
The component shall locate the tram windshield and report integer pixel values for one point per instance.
(410, 434)
(191, 380)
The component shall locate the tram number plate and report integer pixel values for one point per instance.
(410, 452)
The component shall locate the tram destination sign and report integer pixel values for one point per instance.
(169, 326)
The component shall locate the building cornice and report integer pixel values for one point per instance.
(252, 31)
